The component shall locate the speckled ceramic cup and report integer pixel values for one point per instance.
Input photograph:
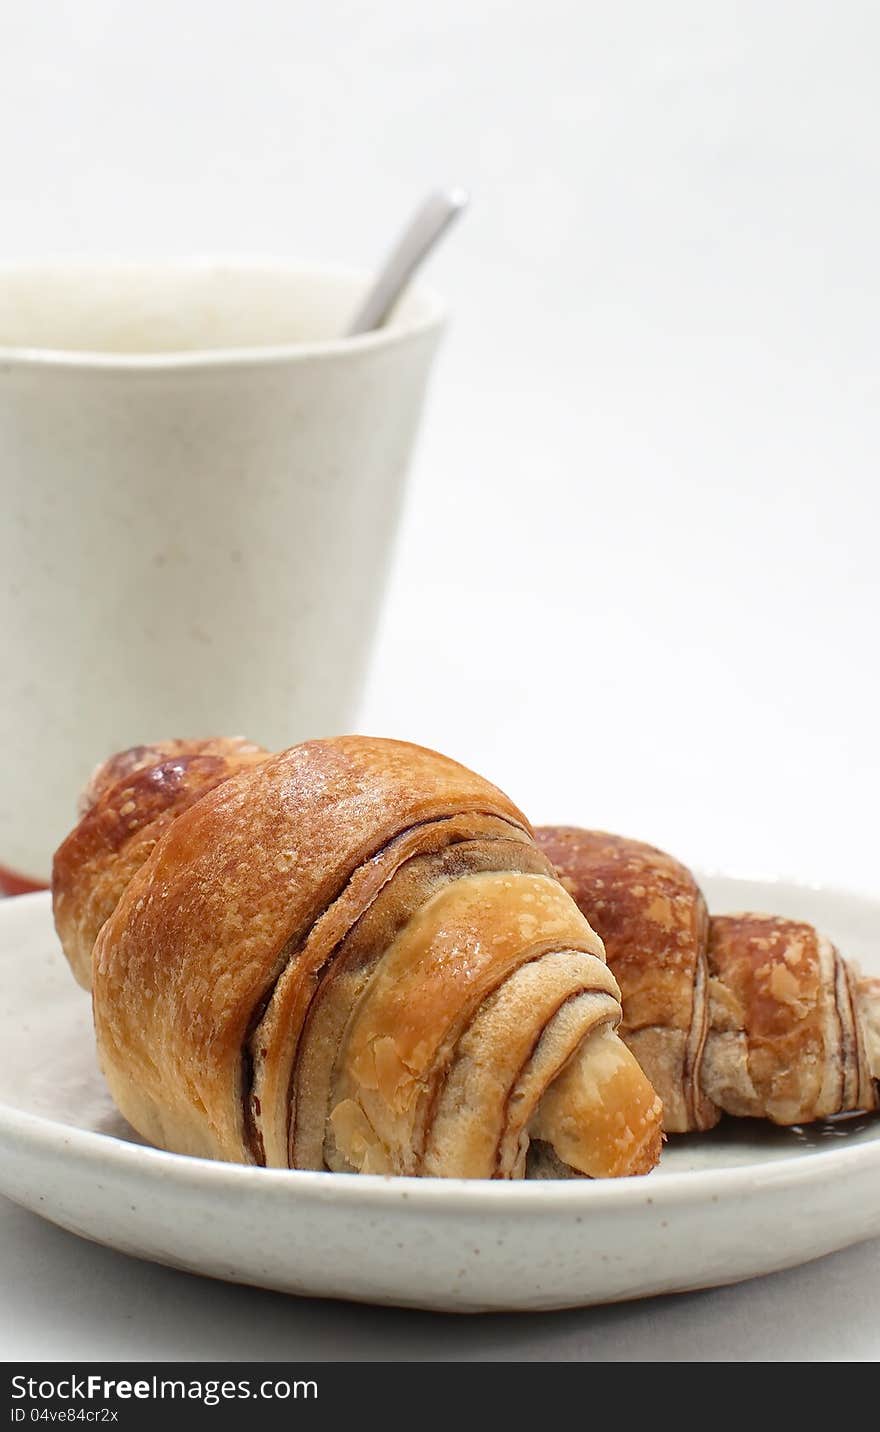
(199, 488)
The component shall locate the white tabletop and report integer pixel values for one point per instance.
(638, 584)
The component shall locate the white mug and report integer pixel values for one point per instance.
(199, 487)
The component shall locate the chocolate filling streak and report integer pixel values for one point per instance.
(360, 953)
(374, 871)
(847, 1046)
(612, 1018)
(695, 1100)
(250, 1104)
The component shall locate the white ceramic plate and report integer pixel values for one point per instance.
(742, 1200)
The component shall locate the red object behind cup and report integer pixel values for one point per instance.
(12, 884)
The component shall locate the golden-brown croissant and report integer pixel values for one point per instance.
(351, 955)
(750, 1015)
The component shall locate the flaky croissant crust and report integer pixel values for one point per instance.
(349, 955)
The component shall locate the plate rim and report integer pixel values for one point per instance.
(41, 1135)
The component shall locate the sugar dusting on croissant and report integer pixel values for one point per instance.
(750, 1015)
(351, 955)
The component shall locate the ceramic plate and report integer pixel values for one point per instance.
(743, 1200)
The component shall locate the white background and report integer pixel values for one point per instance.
(638, 582)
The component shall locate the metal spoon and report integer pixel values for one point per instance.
(427, 226)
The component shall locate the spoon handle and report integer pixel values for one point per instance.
(425, 228)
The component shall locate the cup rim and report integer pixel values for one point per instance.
(429, 316)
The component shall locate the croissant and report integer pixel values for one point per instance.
(751, 1015)
(351, 955)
